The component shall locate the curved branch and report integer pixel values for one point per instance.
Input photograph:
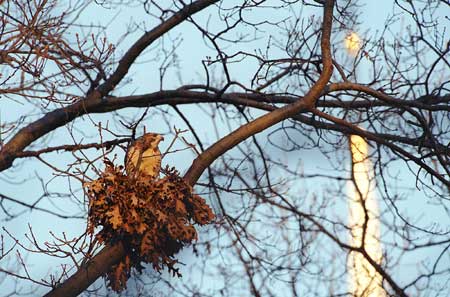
(308, 102)
(147, 39)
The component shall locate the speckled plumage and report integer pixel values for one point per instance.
(143, 158)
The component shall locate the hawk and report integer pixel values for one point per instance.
(143, 158)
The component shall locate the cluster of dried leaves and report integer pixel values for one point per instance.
(152, 218)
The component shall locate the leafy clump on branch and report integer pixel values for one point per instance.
(152, 218)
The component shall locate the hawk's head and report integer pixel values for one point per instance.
(150, 140)
(143, 157)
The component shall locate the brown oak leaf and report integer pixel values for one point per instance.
(114, 217)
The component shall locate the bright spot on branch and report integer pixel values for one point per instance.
(352, 43)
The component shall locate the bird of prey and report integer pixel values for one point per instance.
(143, 158)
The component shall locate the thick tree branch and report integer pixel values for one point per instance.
(261, 102)
(307, 102)
(87, 274)
(65, 115)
